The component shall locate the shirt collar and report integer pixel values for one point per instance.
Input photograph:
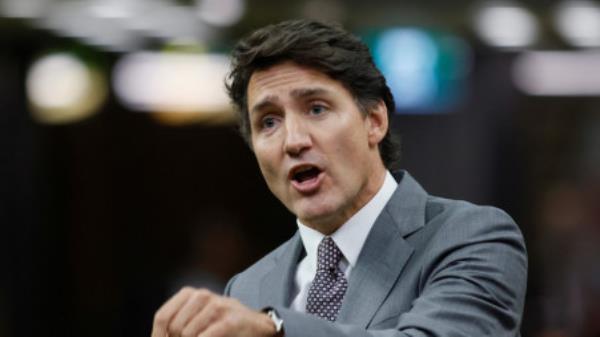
(351, 236)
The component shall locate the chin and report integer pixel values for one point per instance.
(320, 215)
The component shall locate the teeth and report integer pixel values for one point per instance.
(302, 170)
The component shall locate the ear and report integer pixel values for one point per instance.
(377, 123)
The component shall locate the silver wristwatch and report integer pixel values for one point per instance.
(276, 320)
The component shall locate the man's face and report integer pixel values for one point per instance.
(316, 150)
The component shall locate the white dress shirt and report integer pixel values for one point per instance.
(349, 238)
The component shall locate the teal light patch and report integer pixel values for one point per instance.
(425, 70)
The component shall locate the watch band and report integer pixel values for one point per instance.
(276, 320)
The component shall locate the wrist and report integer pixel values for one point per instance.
(276, 322)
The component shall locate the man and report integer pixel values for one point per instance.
(374, 255)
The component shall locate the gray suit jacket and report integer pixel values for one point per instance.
(430, 267)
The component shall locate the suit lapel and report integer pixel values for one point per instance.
(384, 254)
(277, 285)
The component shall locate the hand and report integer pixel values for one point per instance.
(199, 312)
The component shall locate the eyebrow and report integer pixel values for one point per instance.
(307, 92)
(296, 93)
(264, 103)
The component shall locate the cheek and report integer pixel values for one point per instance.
(348, 146)
(268, 166)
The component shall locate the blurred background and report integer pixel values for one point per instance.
(122, 177)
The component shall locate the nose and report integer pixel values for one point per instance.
(297, 138)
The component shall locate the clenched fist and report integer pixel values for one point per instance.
(199, 312)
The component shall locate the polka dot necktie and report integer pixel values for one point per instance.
(329, 285)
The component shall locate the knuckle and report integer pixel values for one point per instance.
(203, 293)
(160, 318)
(221, 331)
(194, 296)
(229, 322)
(233, 301)
(188, 332)
(175, 329)
(220, 306)
(200, 295)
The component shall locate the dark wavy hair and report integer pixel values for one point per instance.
(326, 48)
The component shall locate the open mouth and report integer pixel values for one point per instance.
(306, 178)
(305, 174)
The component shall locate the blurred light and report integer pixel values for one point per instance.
(114, 9)
(544, 73)
(124, 25)
(58, 81)
(579, 22)
(26, 9)
(174, 82)
(221, 12)
(62, 89)
(408, 56)
(172, 22)
(505, 25)
(422, 69)
(184, 118)
(88, 21)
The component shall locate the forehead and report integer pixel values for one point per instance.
(282, 79)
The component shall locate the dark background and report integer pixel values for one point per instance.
(100, 218)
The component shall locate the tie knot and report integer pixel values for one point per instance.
(329, 255)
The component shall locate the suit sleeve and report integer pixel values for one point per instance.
(472, 285)
(227, 291)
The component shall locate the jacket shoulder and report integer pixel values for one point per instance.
(455, 214)
(248, 281)
(459, 231)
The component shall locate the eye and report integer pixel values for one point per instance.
(268, 122)
(317, 109)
